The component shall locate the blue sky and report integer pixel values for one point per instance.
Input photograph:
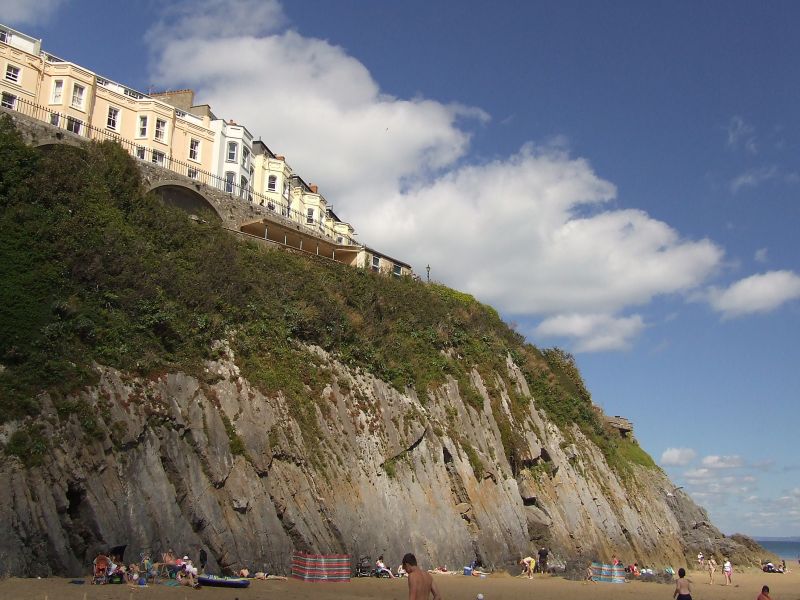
(620, 179)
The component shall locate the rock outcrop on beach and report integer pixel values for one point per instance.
(166, 385)
(186, 462)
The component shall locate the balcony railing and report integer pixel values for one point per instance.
(192, 171)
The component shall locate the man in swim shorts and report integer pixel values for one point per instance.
(683, 589)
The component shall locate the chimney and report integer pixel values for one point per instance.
(313, 187)
(280, 157)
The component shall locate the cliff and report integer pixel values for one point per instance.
(164, 385)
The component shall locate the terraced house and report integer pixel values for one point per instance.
(169, 130)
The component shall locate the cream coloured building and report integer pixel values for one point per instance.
(168, 129)
(78, 100)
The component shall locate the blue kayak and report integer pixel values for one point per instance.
(231, 582)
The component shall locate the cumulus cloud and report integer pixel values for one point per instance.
(19, 12)
(534, 233)
(594, 332)
(759, 293)
(722, 462)
(677, 457)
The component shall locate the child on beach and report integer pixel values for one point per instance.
(764, 595)
(683, 589)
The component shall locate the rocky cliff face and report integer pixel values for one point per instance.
(186, 462)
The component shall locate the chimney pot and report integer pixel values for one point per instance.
(313, 187)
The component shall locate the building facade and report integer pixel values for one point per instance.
(171, 131)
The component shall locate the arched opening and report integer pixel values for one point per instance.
(186, 198)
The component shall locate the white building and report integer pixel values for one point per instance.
(233, 157)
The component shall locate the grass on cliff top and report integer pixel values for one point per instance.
(94, 270)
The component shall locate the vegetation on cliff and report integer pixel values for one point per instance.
(94, 270)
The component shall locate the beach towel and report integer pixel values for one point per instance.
(608, 573)
(321, 567)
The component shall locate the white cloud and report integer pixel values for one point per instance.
(533, 234)
(755, 294)
(594, 332)
(742, 134)
(212, 18)
(754, 177)
(677, 457)
(761, 255)
(722, 462)
(22, 12)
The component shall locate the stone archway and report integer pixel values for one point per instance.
(187, 198)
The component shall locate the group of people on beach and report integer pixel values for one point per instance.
(683, 587)
(112, 569)
(710, 564)
(531, 566)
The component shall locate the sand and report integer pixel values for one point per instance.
(454, 587)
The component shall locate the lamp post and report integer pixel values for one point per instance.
(428, 269)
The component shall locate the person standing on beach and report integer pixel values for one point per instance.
(683, 589)
(727, 570)
(543, 559)
(711, 564)
(420, 584)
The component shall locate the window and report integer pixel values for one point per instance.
(397, 270)
(194, 149)
(376, 263)
(310, 215)
(233, 150)
(74, 125)
(78, 92)
(55, 119)
(230, 179)
(140, 152)
(58, 91)
(142, 131)
(161, 130)
(112, 122)
(3, 36)
(272, 183)
(12, 73)
(242, 186)
(286, 189)
(8, 101)
(192, 173)
(245, 158)
(158, 158)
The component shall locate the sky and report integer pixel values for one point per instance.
(619, 179)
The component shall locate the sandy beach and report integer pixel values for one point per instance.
(495, 587)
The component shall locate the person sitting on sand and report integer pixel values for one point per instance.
(711, 565)
(528, 564)
(589, 575)
(133, 573)
(186, 578)
(381, 567)
(683, 589)
(764, 595)
(401, 572)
